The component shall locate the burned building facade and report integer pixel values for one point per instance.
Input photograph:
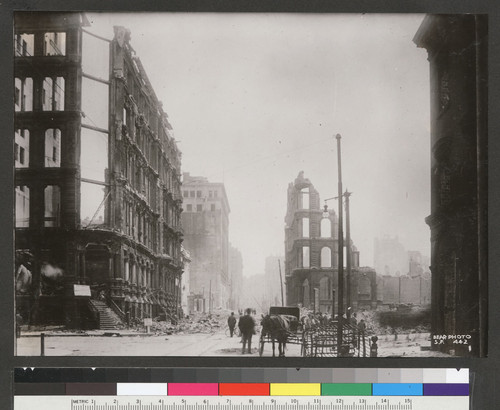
(311, 255)
(122, 252)
(457, 47)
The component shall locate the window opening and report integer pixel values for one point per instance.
(52, 196)
(305, 227)
(23, 94)
(326, 257)
(304, 198)
(54, 44)
(53, 147)
(22, 207)
(53, 94)
(305, 257)
(326, 228)
(21, 145)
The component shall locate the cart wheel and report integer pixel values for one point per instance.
(261, 346)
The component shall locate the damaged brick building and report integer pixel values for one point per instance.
(98, 202)
(457, 47)
(311, 249)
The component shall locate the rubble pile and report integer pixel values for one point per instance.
(196, 323)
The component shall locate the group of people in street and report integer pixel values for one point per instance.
(246, 324)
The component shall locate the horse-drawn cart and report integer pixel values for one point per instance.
(281, 325)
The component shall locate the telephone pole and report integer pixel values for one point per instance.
(348, 254)
(340, 251)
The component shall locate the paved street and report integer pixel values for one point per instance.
(128, 343)
(197, 344)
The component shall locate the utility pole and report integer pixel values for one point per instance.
(348, 254)
(210, 298)
(340, 251)
(281, 283)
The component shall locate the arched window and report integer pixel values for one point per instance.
(306, 300)
(326, 228)
(305, 227)
(324, 288)
(326, 257)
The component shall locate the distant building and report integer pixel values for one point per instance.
(205, 220)
(311, 258)
(457, 47)
(389, 256)
(405, 289)
(235, 278)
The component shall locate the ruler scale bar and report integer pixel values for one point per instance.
(241, 403)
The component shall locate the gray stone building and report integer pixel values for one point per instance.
(205, 221)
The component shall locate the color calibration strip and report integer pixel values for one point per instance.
(242, 389)
(241, 375)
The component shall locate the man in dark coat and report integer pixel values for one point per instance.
(231, 322)
(247, 328)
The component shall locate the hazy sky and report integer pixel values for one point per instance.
(256, 98)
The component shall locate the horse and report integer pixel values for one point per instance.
(278, 327)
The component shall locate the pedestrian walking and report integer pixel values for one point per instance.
(231, 322)
(247, 329)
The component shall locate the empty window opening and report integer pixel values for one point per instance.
(304, 198)
(52, 195)
(306, 263)
(22, 207)
(326, 228)
(53, 94)
(305, 227)
(326, 257)
(53, 147)
(54, 44)
(21, 148)
(23, 45)
(23, 94)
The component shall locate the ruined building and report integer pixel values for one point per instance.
(311, 256)
(457, 47)
(97, 221)
(206, 222)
